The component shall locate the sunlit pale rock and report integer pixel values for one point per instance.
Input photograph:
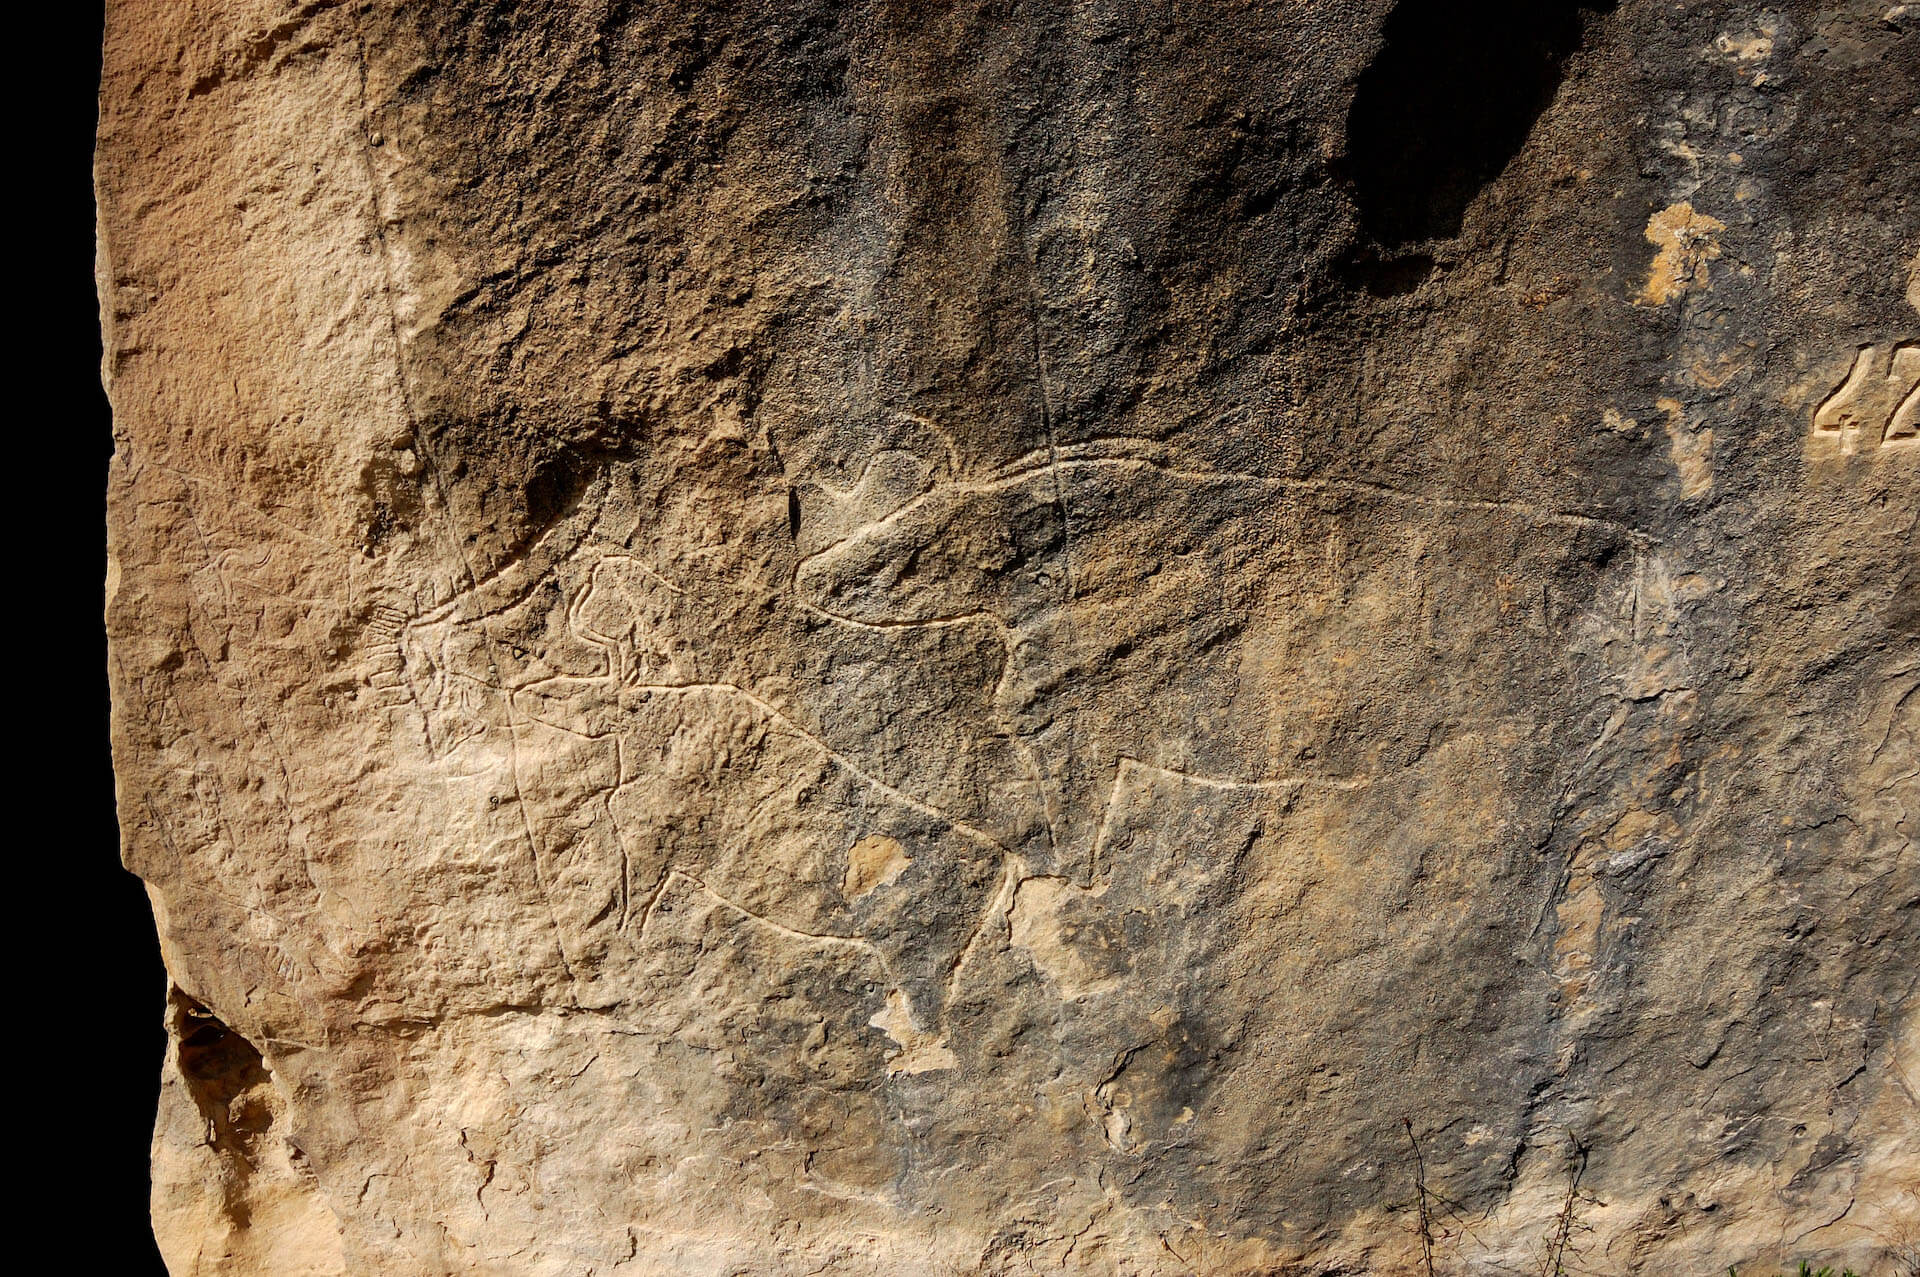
(883, 638)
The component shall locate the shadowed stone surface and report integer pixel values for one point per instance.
(1005, 638)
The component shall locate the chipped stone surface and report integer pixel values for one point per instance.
(900, 639)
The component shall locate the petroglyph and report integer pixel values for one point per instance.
(385, 657)
(946, 640)
(635, 769)
(988, 551)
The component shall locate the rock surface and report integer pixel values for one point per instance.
(1108, 637)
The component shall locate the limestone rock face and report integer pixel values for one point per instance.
(1110, 637)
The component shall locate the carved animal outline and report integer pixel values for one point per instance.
(902, 564)
(678, 770)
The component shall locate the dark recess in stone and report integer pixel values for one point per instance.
(219, 1066)
(1390, 276)
(1447, 103)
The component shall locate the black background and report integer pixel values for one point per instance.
(99, 957)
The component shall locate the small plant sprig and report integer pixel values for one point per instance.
(1561, 1247)
(1437, 1218)
(1805, 1270)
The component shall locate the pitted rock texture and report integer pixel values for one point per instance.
(1108, 637)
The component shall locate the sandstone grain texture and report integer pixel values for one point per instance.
(1100, 637)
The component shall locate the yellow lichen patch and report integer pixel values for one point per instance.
(1685, 243)
(873, 862)
(920, 1051)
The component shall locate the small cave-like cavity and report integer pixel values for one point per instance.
(1448, 102)
(226, 1076)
